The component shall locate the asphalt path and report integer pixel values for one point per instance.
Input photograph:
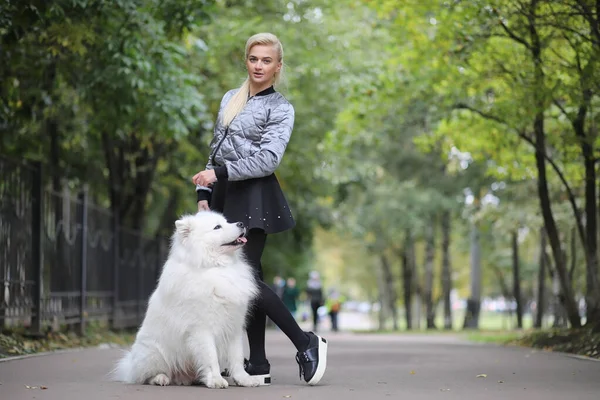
(359, 367)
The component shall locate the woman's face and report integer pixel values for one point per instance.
(262, 64)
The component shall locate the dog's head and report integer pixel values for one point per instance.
(208, 231)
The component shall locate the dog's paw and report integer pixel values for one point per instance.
(218, 382)
(247, 380)
(160, 380)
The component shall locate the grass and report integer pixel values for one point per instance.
(499, 337)
(17, 342)
(488, 321)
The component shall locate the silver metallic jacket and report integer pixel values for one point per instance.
(253, 144)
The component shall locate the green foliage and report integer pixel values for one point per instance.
(582, 341)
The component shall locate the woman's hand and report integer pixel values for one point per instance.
(205, 178)
(203, 205)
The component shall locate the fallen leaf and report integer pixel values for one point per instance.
(482, 376)
(412, 372)
(43, 387)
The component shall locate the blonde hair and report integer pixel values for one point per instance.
(238, 101)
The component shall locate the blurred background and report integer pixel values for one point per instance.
(442, 170)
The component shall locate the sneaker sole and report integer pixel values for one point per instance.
(322, 362)
(264, 381)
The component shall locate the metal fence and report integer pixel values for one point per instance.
(65, 261)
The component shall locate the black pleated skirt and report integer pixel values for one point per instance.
(258, 203)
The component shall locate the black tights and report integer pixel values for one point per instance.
(266, 304)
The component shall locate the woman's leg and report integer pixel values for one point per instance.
(267, 304)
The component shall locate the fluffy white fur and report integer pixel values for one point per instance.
(195, 318)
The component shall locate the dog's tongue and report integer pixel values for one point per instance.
(242, 239)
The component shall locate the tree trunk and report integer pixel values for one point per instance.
(560, 320)
(417, 298)
(146, 163)
(428, 264)
(592, 296)
(501, 281)
(558, 309)
(388, 280)
(115, 165)
(474, 302)
(543, 191)
(407, 276)
(383, 299)
(169, 215)
(541, 286)
(446, 270)
(131, 168)
(573, 254)
(551, 229)
(517, 280)
(60, 278)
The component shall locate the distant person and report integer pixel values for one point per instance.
(278, 285)
(334, 305)
(314, 291)
(290, 296)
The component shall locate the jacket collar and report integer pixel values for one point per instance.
(265, 92)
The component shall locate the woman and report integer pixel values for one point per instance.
(251, 134)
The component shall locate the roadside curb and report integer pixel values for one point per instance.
(578, 356)
(103, 346)
(534, 350)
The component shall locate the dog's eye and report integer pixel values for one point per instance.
(218, 227)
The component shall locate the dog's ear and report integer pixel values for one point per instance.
(183, 227)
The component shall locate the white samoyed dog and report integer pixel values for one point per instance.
(194, 325)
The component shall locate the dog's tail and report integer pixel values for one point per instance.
(124, 369)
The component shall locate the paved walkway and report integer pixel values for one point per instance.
(360, 367)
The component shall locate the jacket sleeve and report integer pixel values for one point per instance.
(273, 143)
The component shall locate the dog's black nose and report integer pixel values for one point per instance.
(240, 224)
